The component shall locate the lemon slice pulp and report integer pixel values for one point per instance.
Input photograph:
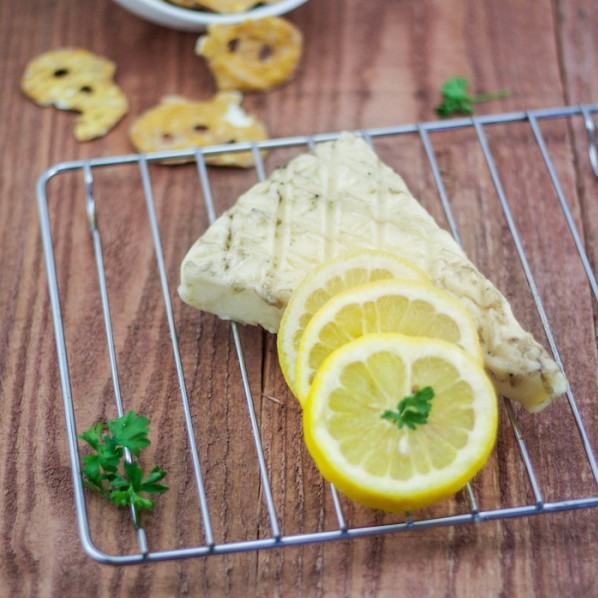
(324, 282)
(407, 307)
(373, 460)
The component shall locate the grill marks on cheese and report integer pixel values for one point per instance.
(279, 246)
(339, 198)
(330, 203)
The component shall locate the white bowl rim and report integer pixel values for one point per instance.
(163, 12)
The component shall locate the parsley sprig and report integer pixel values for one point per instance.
(413, 410)
(112, 469)
(456, 98)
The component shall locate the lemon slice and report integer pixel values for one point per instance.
(324, 282)
(408, 307)
(352, 420)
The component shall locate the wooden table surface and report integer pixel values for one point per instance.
(366, 64)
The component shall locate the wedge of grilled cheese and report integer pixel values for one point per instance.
(336, 199)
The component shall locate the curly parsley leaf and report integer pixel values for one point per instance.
(131, 432)
(456, 98)
(93, 436)
(127, 489)
(413, 410)
(109, 471)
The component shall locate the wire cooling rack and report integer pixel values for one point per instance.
(423, 134)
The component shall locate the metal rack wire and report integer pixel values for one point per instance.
(276, 537)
